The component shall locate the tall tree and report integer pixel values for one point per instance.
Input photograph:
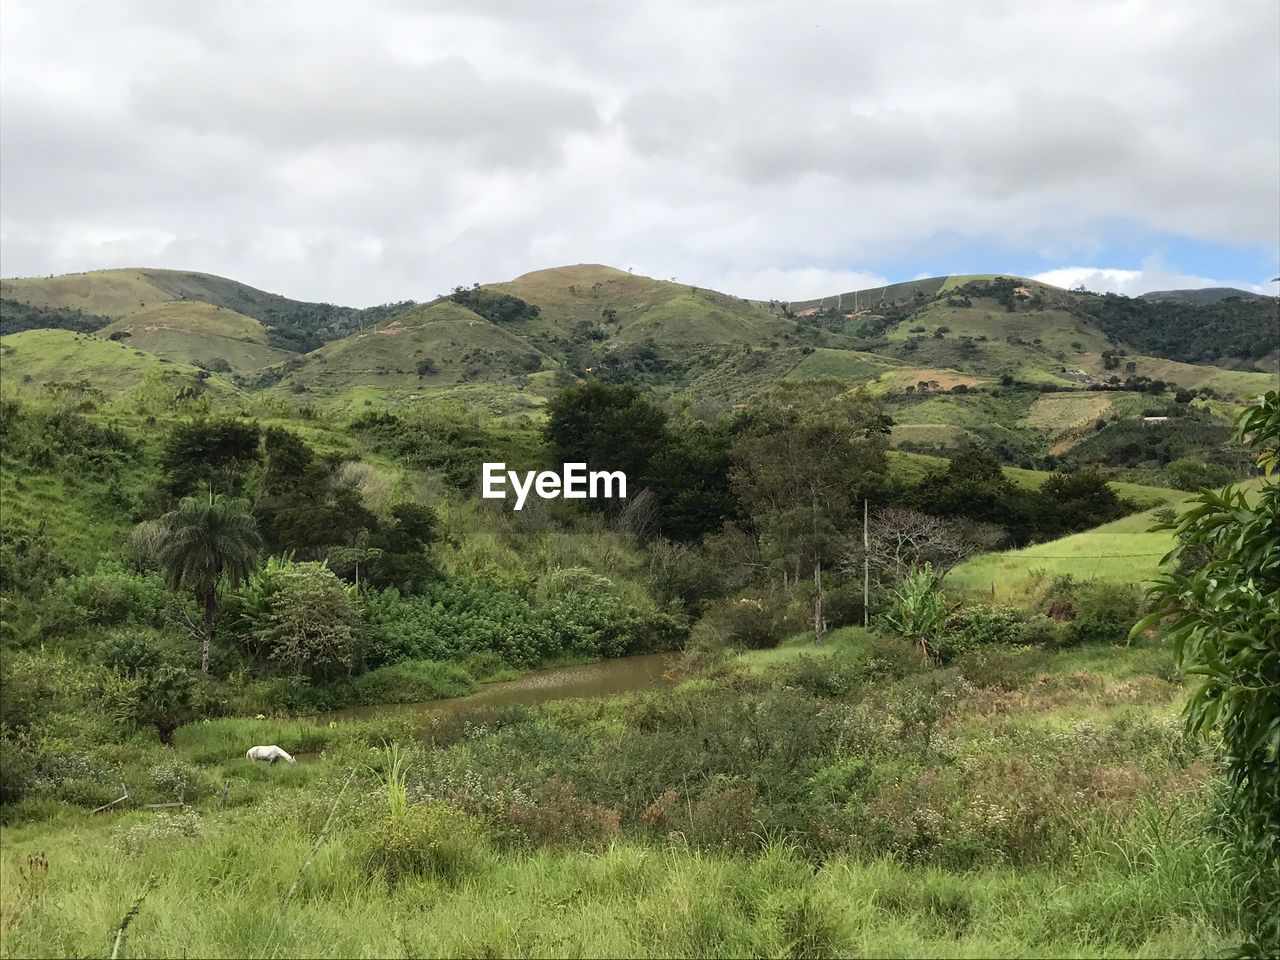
(807, 457)
(205, 541)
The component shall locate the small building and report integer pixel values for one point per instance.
(1146, 420)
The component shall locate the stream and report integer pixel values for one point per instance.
(603, 679)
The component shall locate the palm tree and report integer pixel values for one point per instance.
(204, 541)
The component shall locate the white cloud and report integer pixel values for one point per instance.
(1152, 276)
(383, 150)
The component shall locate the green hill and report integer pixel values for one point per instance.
(198, 333)
(35, 358)
(438, 345)
(123, 293)
(628, 308)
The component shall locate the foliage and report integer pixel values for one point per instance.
(1234, 327)
(493, 306)
(301, 616)
(1191, 474)
(1104, 612)
(162, 698)
(607, 427)
(976, 626)
(205, 541)
(1223, 618)
(16, 316)
(802, 463)
(410, 681)
(919, 609)
(209, 452)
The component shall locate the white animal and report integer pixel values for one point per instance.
(270, 754)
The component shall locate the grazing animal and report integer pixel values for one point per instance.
(270, 754)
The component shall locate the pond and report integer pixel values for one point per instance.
(603, 679)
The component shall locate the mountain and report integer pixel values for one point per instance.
(122, 294)
(524, 335)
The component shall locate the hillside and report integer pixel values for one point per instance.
(35, 358)
(438, 345)
(198, 333)
(1204, 295)
(617, 301)
(123, 293)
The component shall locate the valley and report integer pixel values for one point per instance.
(850, 668)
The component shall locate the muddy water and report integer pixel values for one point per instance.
(603, 679)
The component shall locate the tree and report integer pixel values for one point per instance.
(161, 698)
(690, 477)
(209, 452)
(301, 615)
(807, 456)
(607, 427)
(900, 541)
(205, 541)
(1223, 619)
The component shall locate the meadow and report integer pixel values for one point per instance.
(495, 855)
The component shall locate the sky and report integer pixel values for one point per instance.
(384, 150)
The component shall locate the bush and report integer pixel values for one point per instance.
(1004, 668)
(756, 623)
(131, 649)
(426, 840)
(825, 676)
(409, 682)
(451, 620)
(555, 813)
(1104, 613)
(979, 626)
(891, 658)
(110, 596)
(1043, 631)
(300, 615)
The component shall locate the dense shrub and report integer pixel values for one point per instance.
(755, 622)
(1104, 612)
(110, 596)
(451, 620)
(426, 840)
(1040, 630)
(409, 682)
(972, 627)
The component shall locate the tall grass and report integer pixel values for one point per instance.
(218, 897)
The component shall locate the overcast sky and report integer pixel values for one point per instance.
(362, 152)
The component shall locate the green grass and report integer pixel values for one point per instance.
(1123, 551)
(845, 642)
(460, 344)
(220, 895)
(34, 358)
(191, 331)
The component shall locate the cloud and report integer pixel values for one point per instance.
(363, 153)
(1152, 276)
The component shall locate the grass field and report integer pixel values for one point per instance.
(1239, 384)
(1142, 878)
(1123, 551)
(191, 332)
(34, 358)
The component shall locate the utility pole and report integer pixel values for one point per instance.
(866, 566)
